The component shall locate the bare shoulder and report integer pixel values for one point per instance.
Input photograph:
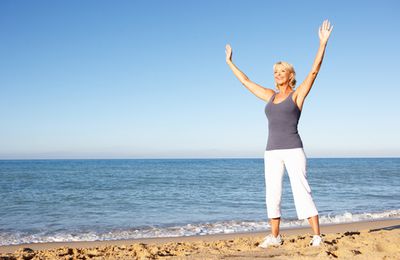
(269, 93)
(298, 98)
(261, 92)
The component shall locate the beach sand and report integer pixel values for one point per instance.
(360, 240)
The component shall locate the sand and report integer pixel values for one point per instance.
(357, 240)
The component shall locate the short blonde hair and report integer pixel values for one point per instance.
(290, 68)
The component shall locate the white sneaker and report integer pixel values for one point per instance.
(316, 240)
(270, 240)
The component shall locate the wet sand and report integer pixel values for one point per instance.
(364, 240)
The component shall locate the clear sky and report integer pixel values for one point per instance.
(148, 79)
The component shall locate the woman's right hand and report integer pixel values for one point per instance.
(228, 51)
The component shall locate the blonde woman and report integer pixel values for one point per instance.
(284, 146)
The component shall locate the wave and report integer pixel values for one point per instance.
(207, 228)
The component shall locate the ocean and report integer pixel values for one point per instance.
(88, 200)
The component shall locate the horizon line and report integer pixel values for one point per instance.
(193, 158)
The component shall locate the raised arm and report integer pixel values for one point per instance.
(259, 91)
(304, 88)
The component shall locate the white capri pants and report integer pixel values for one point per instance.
(294, 160)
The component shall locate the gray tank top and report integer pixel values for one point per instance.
(282, 124)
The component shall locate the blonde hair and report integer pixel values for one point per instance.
(290, 68)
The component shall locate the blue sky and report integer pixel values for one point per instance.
(148, 79)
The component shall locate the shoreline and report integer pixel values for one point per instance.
(381, 224)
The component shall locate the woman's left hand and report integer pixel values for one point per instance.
(325, 31)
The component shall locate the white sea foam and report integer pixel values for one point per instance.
(188, 229)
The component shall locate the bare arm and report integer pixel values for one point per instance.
(259, 91)
(305, 87)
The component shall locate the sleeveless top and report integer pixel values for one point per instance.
(282, 124)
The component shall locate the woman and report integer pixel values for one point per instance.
(284, 145)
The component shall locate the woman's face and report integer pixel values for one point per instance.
(281, 75)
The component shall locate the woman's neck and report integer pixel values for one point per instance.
(285, 89)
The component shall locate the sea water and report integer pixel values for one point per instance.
(88, 200)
